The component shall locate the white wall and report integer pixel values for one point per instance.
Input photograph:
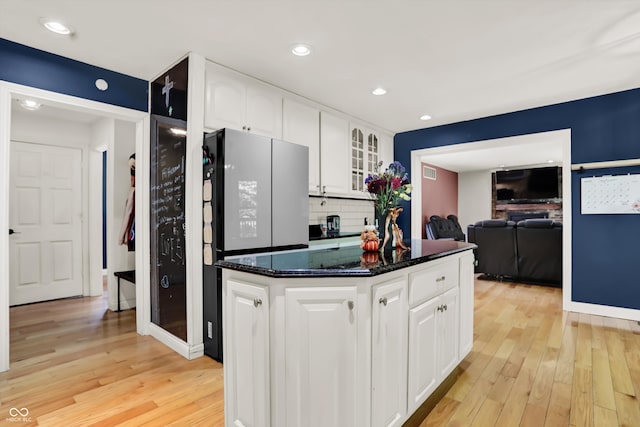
(121, 144)
(352, 212)
(474, 197)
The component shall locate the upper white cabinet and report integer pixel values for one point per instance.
(389, 354)
(367, 147)
(386, 149)
(321, 356)
(238, 102)
(301, 125)
(334, 160)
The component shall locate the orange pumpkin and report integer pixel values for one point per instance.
(370, 245)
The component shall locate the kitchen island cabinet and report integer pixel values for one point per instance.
(349, 338)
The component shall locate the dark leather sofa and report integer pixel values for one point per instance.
(529, 251)
(439, 228)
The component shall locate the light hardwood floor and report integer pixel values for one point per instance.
(73, 363)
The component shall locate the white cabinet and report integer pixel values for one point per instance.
(389, 354)
(364, 155)
(386, 150)
(433, 345)
(238, 102)
(246, 354)
(466, 303)
(343, 351)
(449, 329)
(334, 160)
(321, 356)
(301, 125)
(423, 367)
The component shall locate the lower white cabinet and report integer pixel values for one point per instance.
(448, 342)
(246, 355)
(389, 353)
(343, 351)
(433, 345)
(466, 303)
(321, 356)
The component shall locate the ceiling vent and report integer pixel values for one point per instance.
(429, 172)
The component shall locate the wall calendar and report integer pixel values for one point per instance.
(619, 194)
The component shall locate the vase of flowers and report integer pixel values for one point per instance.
(387, 190)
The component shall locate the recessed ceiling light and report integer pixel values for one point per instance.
(178, 131)
(56, 26)
(102, 84)
(301, 50)
(425, 117)
(378, 91)
(29, 104)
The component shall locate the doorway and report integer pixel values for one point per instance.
(135, 124)
(494, 151)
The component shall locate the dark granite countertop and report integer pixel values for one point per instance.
(346, 261)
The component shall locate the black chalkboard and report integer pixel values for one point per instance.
(167, 200)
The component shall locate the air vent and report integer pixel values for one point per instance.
(428, 172)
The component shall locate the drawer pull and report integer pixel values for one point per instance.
(440, 279)
(257, 302)
(383, 301)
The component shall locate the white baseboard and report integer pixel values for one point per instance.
(175, 343)
(603, 310)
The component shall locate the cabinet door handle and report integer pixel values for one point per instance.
(248, 128)
(383, 301)
(445, 307)
(439, 308)
(350, 305)
(244, 128)
(257, 302)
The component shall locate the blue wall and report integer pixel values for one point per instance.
(36, 68)
(605, 254)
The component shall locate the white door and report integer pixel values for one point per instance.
(301, 125)
(246, 355)
(334, 153)
(45, 214)
(423, 372)
(449, 328)
(321, 356)
(389, 354)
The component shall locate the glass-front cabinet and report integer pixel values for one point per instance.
(364, 156)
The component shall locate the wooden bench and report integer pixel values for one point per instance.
(129, 276)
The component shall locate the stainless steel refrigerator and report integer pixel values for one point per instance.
(255, 199)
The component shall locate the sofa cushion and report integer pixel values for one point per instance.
(539, 223)
(495, 223)
(445, 228)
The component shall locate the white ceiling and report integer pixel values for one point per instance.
(533, 150)
(454, 60)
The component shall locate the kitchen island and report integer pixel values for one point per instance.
(342, 337)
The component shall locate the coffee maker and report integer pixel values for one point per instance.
(333, 225)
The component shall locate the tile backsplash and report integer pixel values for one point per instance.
(352, 212)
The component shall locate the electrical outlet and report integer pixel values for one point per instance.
(210, 330)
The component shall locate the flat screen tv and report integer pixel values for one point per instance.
(536, 185)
